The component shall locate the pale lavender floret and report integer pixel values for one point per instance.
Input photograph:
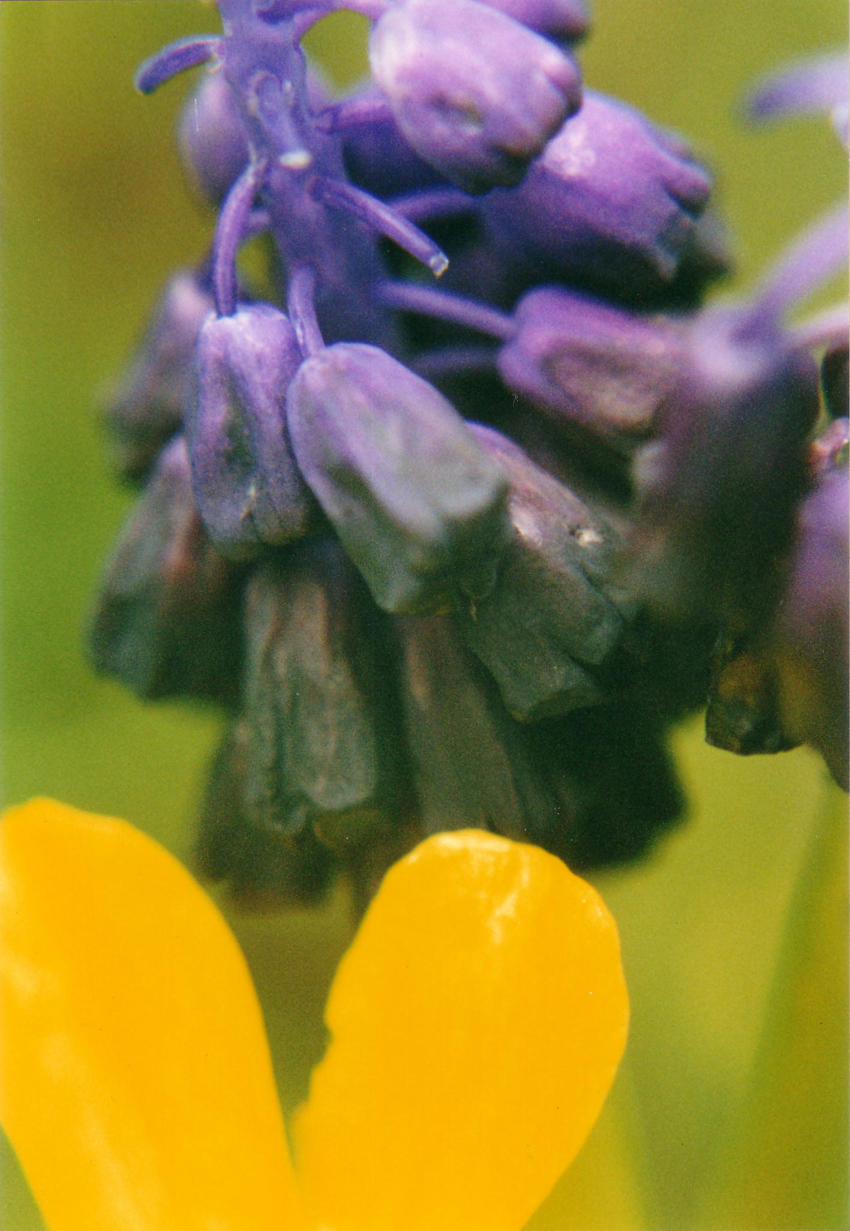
(611, 201)
(416, 502)
(246, 483)
(591, 365)
(476, 94)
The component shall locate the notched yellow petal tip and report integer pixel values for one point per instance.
(477, 1023)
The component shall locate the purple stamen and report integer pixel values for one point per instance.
(232, 228)
(813, 258)
(825, 329)
(819, 84)
(176, 58)
(381, 218)
(448, 361)
(301, 306)
(434, 203)
(351, 112)
(445, 306)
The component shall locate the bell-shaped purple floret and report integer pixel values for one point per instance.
(592, 366)
(611, 202)
(416, 502)
(167, 618)
(246, 483)
(810, 638)
(264, 867)
(320, 748)
(554, 614)
(212, 139)
(146, 408)
(468, 766)
(720, 491)
(561, 19)
(476, 94)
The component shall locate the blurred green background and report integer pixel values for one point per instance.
(730, 1111)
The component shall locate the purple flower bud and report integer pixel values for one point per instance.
(810, 636)
(265, 869)
(468, 764)
(592, 366)
(551, 617)
(476, 94)
(611, 201)
(166, 622)
(319, 747)
(246, 483)
(720, 492)
(416, 502)
(561, 19)
(211, 138)
(146, 408)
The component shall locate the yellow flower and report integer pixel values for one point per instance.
(476, 1025)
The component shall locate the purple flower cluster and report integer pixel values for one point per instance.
(458, 556)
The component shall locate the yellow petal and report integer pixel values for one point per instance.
(477, 1023)
(136, 1079)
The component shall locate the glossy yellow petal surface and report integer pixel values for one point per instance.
(477, 1023)
(136, 1082)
